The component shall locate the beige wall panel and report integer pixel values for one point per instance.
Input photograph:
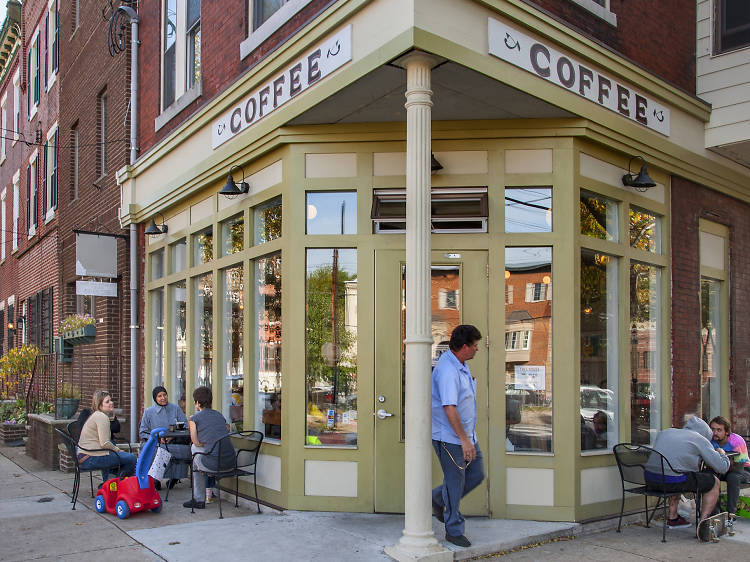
(600, 485)
(463, 162)
(528, 161)
(389, 163)
(178, 222)
(712, 250)
(339, 165)
(269, 472)
(331, 478)
(530, 486)
(612, 175)
(201, 210)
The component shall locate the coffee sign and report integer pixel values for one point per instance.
(315, 65)
(510, 45)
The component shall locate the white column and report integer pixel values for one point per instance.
(418, 540)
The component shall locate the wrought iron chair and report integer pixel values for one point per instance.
(70, 437)
(632, 460)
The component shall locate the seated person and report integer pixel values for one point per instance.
(164, 414)
(207, 426)
(599, 422)
(685, 449)
(96, 434)
(739, 472)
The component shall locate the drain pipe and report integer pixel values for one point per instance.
(133, 230)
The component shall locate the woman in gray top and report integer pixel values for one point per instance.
(207, 427)
(164, 414)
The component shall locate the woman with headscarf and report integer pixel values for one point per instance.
(163, 414)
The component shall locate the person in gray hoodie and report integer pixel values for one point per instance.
(685, 449)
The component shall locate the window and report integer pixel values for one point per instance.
(268, 342)
(598, 216)
(51, 47)
(178, 256)
(76, 14)
(536, 292)
(102, 134)
(599, 8)
(85, 304)
(4, 210)
(232, 341)
(528, 352)
(203, 246)
(267, 221)
(331, 212)
(331, 347)
(16, 208)
(203, 287)
(448, 299)
(39, 320)
(32, 194)
(4, 125)
(454, 210)
(264, 18)
(2, 330)
(49, 175)
(157, 264)
(232, 235)
(645, 230)
(16, 105)
(157, 337)
(74, 157)
(528, 209)
(731, 25)
(181, 49)
(178, 340)
(32, 90)
(11, 332)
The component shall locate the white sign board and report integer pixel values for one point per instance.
(306, 71)
(96, 288)
(530, 377)
(517, 48)
(96, 255)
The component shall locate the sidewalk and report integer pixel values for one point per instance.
(36, 523)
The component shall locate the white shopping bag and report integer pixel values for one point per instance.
(162, 458)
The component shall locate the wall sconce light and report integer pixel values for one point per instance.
(11, 326)
(153, 230)
(230, 188)
(19, 322)
(435, 166)
(642, 181)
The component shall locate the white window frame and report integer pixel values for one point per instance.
(33, 191)
(3, 225)
(597, 9)
(51, 28)
(16, 207)
(270, 26)
(33, 104)
(16, 105)
(4, 125)
(48, 173)
(182, 96)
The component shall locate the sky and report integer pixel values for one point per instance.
(2, 10)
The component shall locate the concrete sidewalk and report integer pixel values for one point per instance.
(36, 523)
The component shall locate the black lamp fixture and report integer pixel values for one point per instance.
(153, 230)
(230, 188)
(642, 181)
(435, 166)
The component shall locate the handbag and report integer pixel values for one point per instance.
(162, 458)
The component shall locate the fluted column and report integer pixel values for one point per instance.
(418, 540)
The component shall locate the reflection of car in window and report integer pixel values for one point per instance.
(594, 399)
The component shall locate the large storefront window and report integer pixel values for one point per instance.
(203, 333)
(599, 344)
(232, 336)
(645, 352)
(267, 327)
(157, 337)
(528, 349)
(710, 347)
(178, 341)
(331, 346)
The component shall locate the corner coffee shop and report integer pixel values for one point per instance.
(290, 299)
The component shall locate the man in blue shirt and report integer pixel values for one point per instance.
(454, 420)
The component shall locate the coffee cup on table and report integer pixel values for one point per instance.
(171, 427)
(180, 425)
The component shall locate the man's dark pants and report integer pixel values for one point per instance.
(458, 480)
(734, 478)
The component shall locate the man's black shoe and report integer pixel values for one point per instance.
(172, 483)
(157, 484)
(438, 512)
(194, 504)
(460, 540)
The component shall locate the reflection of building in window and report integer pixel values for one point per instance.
(518, 339)
(448, 299)
(509, 294)
(536, 292)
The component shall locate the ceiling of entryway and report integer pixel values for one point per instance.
(458, 94)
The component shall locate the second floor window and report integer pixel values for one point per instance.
(732, 25)
(264, 9)
(32, 92)
(181, 48)
(102, 140)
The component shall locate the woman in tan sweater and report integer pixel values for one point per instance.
(96, 434)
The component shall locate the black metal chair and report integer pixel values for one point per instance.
(70, 437)
(244, 462)
(632, 461)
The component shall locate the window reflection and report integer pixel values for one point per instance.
(332, 212)
(599, 363)
(203, 334)
(267, 218)
(645, 230)
(528, 349)
(268, 345)
(157, 337)
(645, 331)
(598, 216)
(232, 235)
(157, 264)
(710, 342)
(232, 329)
(178, 341)
(178, 256)
(331, 346)
(203, 246)
(528, 209)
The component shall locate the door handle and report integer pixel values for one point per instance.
(382, 414)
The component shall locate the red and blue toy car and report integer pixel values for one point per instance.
(123, 496)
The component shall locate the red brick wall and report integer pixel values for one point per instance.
(689, 203)
(657, 35)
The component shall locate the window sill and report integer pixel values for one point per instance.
(31, 232)
(181, 103)
(271, 25)
(2, 160)
(51, 81)
(33, 112)
(50, 215)
(529, 454)
(598, 10)
(596, 452)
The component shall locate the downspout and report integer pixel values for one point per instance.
(133, 230)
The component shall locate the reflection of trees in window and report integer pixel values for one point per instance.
(233, 234)
(268, 222)
(205, 246)
(642, 230)
(594, 217)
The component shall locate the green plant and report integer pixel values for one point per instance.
(76, 321)
(68, 390)
(13, 412)
(17, 363)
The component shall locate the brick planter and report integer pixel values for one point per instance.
(42, 440)
(12, 432)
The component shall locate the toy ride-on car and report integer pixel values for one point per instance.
(123, 496)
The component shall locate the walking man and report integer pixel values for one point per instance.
(454, 420)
